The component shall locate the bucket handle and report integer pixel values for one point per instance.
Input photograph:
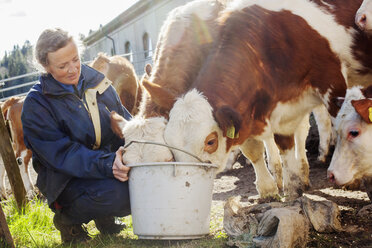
(161, 144)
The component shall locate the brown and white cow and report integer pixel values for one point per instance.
(184, 42)
(274, 62)
(12, 109)
(352, 159)
(124, 79)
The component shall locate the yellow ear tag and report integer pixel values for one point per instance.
(370, 114)
(230, 133)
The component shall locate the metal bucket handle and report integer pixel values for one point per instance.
(160, 144)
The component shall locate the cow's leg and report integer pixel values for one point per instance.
(292, 178)
(274, 162)
(265, 183)
(325, 130)
(2, 180)
(232, 159)
(301, 134)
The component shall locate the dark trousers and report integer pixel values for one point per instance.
(86, 199)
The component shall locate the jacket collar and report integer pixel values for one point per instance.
(89, 78)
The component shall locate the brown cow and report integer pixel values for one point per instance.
(12, 109)
(274, 61)
(123, 76)
(184, 41)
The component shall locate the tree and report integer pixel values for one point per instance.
(17, 63)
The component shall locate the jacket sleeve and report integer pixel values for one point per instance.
(55, 149)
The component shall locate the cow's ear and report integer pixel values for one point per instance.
(117, 124)
(261, 103)
(364, 108)
(229, 121)
(148, 69)
(367, 92)
(160, 95)
(339, 101)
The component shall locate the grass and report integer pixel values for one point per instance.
(33, 227)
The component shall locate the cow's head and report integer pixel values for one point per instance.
(101, 63)
(363, 17)
(138, 128)
(192, 127)
(352, 158)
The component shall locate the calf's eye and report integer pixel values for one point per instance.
(211, 143)
(353, 133)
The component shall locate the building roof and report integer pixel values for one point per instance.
(132, 12)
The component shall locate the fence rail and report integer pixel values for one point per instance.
(138, 64)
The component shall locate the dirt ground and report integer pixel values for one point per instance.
(357, 231)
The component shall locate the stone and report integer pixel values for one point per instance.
(323, 215)
(278, 224)
(282, 227)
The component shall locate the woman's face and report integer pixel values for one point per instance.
(64, 64)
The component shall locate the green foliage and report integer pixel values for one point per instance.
(18, 62)
(33, 228)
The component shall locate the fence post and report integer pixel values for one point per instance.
(11, 165)
(5, 235)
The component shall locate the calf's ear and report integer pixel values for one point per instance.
(367, 92)
(117, 124)
(160, 95)
(148, 69)
(339, 101)
(364, 108)
(229, 121)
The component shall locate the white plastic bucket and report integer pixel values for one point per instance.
(171, 200)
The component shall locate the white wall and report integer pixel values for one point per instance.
(149, 21)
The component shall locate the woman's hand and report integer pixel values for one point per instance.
(119, 169)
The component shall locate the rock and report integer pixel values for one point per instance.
(242, 218)
(282, 227)
(279, 224)
(367, 183)
(323, 215)
(237, 220)
(366, 212)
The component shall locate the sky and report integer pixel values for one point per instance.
(22, 20)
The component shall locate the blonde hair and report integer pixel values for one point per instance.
(50, 40)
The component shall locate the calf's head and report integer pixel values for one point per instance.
(352, 158)
(192, 127)
(139, 128)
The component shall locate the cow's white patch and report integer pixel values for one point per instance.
(181, 18)
(286, 117)
(151, 129)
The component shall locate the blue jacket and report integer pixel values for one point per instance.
(58, 129)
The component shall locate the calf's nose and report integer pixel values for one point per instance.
(361, 20)
(331, 176)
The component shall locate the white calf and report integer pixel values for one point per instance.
(136, 129)
(352, 158)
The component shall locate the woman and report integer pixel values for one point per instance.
(66, 124)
